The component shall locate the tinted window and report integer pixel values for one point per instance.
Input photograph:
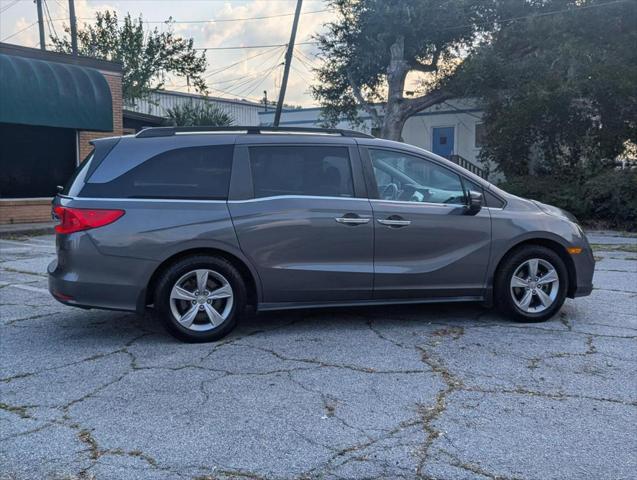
(187, 173)
(412, 179)
(300, 170)
(489, 199)
(76, 181)
(492, 201)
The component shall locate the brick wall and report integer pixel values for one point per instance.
(39, 210)
(115, 83)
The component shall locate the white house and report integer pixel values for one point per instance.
(452, 129)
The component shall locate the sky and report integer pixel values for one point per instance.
(256, 69)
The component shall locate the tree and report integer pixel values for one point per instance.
(147, 57)
(372, 47)
(558, 81)
(191, 114)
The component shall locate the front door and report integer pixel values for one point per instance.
(443, 141)
(307, 230)
(426, 246)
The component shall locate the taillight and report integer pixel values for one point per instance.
(78, 219)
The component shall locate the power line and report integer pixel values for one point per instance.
(7, 7)
(535, 15)
(19, 32)
(254, 46)
(274, 67)
(225, 20)
(227, 67)
(220, 20)
(52, 30)
(249, 78)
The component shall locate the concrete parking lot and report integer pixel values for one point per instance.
(434, 391)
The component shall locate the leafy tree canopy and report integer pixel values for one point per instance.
(372, 47)
(559, 82)
(147, 56)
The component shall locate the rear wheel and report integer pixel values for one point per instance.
(199, 298)
(531, 284)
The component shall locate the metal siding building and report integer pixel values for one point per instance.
(242, 112)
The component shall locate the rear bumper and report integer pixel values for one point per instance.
(83, 277)
(75, 293)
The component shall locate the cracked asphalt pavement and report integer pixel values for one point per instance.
(430, 391)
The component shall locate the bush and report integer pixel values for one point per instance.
(608, 199)
(198, 114)
(612, 197)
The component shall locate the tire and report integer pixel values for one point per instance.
(511, 295)
(189, 314)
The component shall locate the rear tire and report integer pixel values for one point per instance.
(531, 284)
(200, 298)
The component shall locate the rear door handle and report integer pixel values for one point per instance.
(390, 222)
(352, 220)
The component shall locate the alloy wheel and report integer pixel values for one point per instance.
(201, 300)
(534, 285)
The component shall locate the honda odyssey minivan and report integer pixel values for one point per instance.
(196, 223)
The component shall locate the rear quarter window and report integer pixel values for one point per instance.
(199, 173)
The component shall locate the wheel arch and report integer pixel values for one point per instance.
(249, 276)
(551, 244)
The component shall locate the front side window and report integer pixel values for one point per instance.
(301, 170)
(198, 173)
(407, 178)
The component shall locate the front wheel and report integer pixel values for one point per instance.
(200, 298)
(531, 284)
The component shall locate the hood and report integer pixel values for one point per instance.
(555, 211)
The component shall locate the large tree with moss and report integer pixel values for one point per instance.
(374, 45)
(558, 80)
(148, 56)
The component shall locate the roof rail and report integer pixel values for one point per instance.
(251, 130)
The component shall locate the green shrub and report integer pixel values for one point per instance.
(608, 199)
(612, 197)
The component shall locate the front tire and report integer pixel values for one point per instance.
(200, 298)
(531, 284)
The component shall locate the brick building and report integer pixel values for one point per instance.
(51, 106)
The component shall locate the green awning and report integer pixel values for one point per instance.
(51, 94)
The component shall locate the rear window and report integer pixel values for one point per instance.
(74, 184)
(301, 170)
(199, 173)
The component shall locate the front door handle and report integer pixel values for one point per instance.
(394, 222)
(351, 219)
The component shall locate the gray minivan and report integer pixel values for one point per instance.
(199, 222)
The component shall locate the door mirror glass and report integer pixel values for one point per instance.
(474, 202)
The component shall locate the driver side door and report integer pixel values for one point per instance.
(426, 246)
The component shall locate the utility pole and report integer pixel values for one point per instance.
(41, 24)
(73, 27)
(265, 99)
(288, 61)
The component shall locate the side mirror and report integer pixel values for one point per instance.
(474, 202)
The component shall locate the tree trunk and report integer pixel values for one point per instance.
(393, 124)
(394, 118)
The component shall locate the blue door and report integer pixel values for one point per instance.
(443, 141)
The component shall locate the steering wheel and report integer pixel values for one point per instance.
(452, 200)
(390, 192)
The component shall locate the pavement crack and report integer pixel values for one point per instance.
(428, 414)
